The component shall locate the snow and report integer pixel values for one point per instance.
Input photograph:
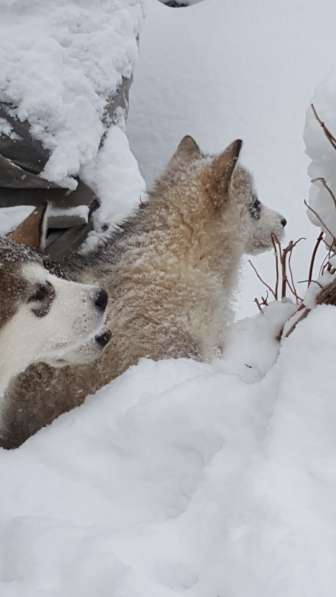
(11, 217)
(60, 62)
(223, 70)
(81, 211)
(180, 477)
(322, 156)
(184, 478)
(116, 178)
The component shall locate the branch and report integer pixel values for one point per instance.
(320, 220)
(313, 257)
(326, 186)
(328, 134)
(261, 280)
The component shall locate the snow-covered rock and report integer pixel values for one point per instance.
(65, 68)
(61, 61)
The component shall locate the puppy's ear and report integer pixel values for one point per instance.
(187, 150)
(219, 173)
(31, 231)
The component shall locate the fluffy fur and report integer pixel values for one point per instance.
(170, 273)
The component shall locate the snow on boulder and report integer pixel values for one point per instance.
(61, 62)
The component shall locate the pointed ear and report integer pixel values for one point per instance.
(221, 171)
(186, 150)
(32, 230)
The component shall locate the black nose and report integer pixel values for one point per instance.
(104, 338)
(283, 222)
(101, 299)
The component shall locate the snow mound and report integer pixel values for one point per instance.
(116, 178)
(181, 478)
(322, 154)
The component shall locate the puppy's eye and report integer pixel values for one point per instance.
(44, 295)
(41, 293)
(255, 207)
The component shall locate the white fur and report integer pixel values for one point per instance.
(66, 335)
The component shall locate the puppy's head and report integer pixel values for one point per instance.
(259, 223)
(46, 318)
(227, 190)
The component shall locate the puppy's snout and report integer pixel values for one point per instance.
(283, 222)
(103, 339)
(101, 299)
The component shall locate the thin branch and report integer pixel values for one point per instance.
(298, 299)
(258, 305)
(320, 220)
(261, 279)
(274, 239)
(328, 134)
(313, 282)
(326, 186)
(305, 312)
(313, 257)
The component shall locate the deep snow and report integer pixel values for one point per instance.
(182, 478)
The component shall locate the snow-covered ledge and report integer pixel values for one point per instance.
(66, 69)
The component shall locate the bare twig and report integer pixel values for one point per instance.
(320, 220)
(283, 261)
(328, 134)
(326, 186)
(275, 246)
(313, 257)
(305, 312)
(258, 305)
(298, 299)
(269, 288)
(325, 262)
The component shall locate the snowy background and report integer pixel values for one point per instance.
(220, 71)
(182, 478)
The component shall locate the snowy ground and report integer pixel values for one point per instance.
(182, 478)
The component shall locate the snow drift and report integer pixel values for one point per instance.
(182, 478)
